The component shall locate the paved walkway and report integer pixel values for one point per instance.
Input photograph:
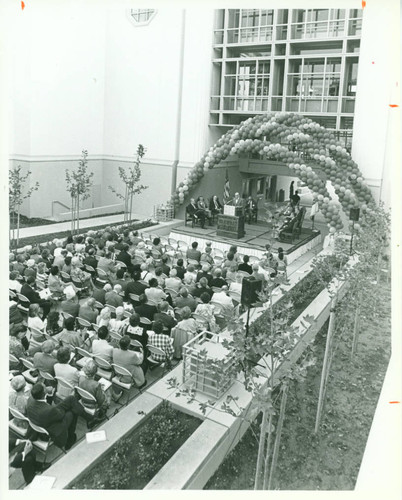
(27, 232)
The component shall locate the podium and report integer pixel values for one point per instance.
(231, 222)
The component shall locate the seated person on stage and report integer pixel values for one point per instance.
(195, 213)
(289, 210)
(203, 206)
(215, 206)
(251, 209)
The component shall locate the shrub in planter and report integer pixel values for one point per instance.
(136, 458)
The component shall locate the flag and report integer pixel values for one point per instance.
(226, 189)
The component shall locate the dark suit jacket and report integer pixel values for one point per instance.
(245, 267)
(180, 272)
(30, 294)
(212, 204)
(90, 261)
(192, 209)
(125, 257)
(146, 311)
(47, 416)
(135, 287)
(203, 274)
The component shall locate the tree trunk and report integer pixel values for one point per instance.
(12, 223)
(78, 214)
(72, 215)
(268, 451)
(131, 205)
(125, 203)
(18, 226)
(261, 449)
(331, 327)
(356, 325)
(277, 443)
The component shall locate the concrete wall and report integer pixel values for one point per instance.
(58, 81)
(377, 88)
(52, 186)
(144, 202)
(213, 183)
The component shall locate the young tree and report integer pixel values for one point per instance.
(16, 196)
(131, 178)
(79, 183)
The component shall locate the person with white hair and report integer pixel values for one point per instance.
(207, 256)
(204, 273)
(77, 274)
(173, 281)
(224, 300)
(191, 272)
(140, 253)
(18, 398)
(236, 286)
(146, 274)
(113, 297)
(88, 310)
(104, 317)
(117, 324)
(218, 281)
(88, 383)
(259, 273)
(44, 360)
(71, 304)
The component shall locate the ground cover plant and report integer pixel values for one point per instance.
(38, 221)
(136, 458)
(329, 459)
(43, 238)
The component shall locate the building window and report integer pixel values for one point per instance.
(141, 17)
(250, 25)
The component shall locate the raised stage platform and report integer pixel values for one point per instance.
(252, 243)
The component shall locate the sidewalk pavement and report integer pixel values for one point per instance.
(27, 232)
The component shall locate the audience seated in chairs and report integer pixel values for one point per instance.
(176, 289)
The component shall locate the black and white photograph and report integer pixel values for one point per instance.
(203, 236)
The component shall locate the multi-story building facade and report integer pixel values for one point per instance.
(176, 80)
(298, 60)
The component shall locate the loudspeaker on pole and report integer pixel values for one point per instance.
(249, 291)
(354, 214)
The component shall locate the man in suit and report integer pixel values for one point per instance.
(125, 257)
(135, 286)
(113, 297)
(145, 310)
(237, 201)
(34, 297)
(195, 212)
(91, 261)
(23, 457)
(88, 310)
(60, 420)
(168, 321)
(215, 206)
(251, 209)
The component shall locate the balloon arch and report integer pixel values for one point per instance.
(303, 145)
